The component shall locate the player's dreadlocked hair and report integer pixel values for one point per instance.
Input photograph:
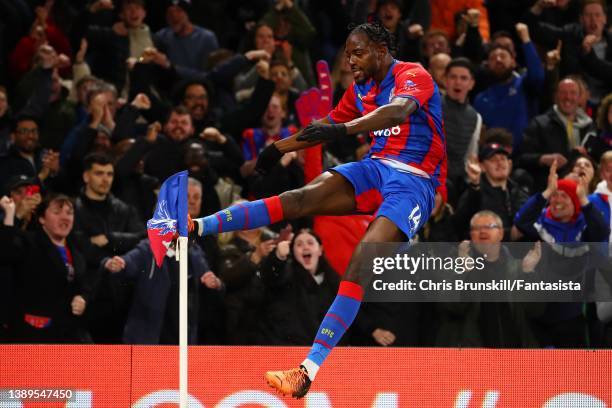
(376, 32)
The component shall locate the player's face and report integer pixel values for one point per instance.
(99, 178)
(194, 200)
(561, 206)
(307, 251)
(497, 167)
(58, 220)
(459, 82)
(364, 57)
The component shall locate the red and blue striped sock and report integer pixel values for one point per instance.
(243, 216)
(336, 322)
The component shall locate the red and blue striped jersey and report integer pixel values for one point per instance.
(419, 141)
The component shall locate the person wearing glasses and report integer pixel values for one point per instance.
(489, 319)
(26, 157)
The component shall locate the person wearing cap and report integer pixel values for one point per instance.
(495, 191)
(25, 193)
(186, 45)
(562, 216)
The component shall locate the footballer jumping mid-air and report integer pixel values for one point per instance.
(399, 104)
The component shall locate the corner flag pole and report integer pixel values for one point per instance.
(183, 361)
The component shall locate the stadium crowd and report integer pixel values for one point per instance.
(102, 100)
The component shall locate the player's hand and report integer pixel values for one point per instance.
(319, 132)
(267, 159)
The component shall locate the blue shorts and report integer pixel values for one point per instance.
(404, 198)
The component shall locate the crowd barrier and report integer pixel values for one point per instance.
(228, 377)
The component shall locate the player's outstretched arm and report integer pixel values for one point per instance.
(392, 114)
(271, 155)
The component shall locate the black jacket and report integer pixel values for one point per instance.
(295, 304)
(44, 287)
(504, 203)
(546, 133)
(111, 217)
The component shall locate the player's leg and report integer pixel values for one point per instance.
(339, 317)
(328, 194)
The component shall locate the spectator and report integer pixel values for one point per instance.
(437, 68)
(557, 134)
(502, 323)
(462, 123)
(52, 286)
(128, 38)
(494, 192)
(300, 286)
(506, 103)
(288, 173)
(105, 226)
(264, 40)
(153, 315)
(562, 216)
(240, 269)
(602, 197)
(280, 74)
(441, 225)
(43, 31)
(586, 44)
(295, 33)
(443, 15)
(186, 45)
(26, 157)
(5, 121)
(25, 193)
(597, 146)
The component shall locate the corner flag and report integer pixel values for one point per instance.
(170, 215)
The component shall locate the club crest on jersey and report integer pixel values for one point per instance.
(410, 84)
(414, 219)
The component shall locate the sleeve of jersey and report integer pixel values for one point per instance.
(346, 110)
(414, 83)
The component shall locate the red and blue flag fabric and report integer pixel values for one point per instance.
(170, 216)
